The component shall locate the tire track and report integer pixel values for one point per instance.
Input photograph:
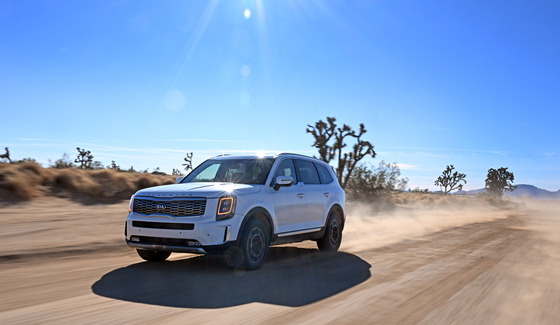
(410, 279)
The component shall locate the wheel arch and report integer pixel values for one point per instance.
(338, 209)
(261, 214)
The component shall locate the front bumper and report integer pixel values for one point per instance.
(199, 235)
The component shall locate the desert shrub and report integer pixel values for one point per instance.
(114, 166)
(419, 190)
(32, 175)
(103, 175)
(28, 180)
(367, 181)
(25, 160)
(13, 183)
(63, 162)
(31, 167)
(122, 187)
(96, 165)
(21, 180)
(158, 172)
(113, 184)
(73, 181)
(146, 181)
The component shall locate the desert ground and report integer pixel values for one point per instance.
(424, 260)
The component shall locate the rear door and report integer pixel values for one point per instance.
(314, 193)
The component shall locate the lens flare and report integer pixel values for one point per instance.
(174, 100)
(247, 13)
(245, 71)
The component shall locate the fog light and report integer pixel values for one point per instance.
(134, 239)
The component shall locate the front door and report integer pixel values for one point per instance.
(290, 202)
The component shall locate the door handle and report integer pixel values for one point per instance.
(300, 195)
(326, 194)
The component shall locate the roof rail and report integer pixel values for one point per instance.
(291, 153)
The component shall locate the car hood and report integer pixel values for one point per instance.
(207, 190)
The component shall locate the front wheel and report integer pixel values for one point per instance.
(253, 246)
(331, 240)
(153, 256)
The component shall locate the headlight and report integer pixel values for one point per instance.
(131, 204)
(226, 207)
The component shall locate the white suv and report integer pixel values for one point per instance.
(237, 206)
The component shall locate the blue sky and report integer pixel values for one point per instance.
(475, 84)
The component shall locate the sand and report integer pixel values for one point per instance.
(65, 262)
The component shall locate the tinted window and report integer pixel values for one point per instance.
(245, 171)
(307, 172)
(286, 168)
(324, 174)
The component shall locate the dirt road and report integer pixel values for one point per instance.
(499, 268)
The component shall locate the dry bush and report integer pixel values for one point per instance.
(13, 184)
(28, 180)
(146, 181)
(112, 184)
(76, 181)
(21, 180)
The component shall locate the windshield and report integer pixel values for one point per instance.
(243, 171)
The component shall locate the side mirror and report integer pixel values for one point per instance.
(179, 179)
(283, 181)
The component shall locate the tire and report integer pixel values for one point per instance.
(331, 240)
(153, 256)
(253, 246)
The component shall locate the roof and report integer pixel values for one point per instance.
(253, 156)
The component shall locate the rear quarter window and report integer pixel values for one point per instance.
(324, 175)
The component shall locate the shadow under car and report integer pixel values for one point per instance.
(290, 277)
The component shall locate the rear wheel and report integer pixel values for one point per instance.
(153, 256)
(333, 234)
(253, 246)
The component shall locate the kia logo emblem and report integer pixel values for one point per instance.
(161, 207)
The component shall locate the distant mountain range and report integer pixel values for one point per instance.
(521, 190)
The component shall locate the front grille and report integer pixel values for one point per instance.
(163, 225)
(176, 208)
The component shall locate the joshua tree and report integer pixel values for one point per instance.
(498, 181)
(188, 162)
(113, 165)
(6, 155)
(324, 132)
(450, 180)
(85, 158)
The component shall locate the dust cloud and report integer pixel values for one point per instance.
(372, 225)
